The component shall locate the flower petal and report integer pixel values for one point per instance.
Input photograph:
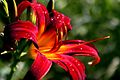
(22, 6)
(39, 68)
(73, 66)
(46, 42)
(79, 47)
(40, 11)
(22, 29)
(60, 23)
(47, 39)
(40, 18)
(60, 20)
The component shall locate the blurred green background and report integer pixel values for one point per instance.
(90, 19)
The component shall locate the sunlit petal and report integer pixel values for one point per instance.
(47, 40)
(73, 66)
(39, 68)
(79, 48)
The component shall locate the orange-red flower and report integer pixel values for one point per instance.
(62, 54)
(54, 48)
(52, 45)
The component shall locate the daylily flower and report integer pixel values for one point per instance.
(52, 45)
(62, 57)
(54, 48)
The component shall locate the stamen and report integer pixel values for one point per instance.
(98, 39)
(65, 29)
(65, 32)
(57, 31)
(61, 34)
(56, 42)
(57, 36)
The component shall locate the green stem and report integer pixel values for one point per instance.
(16, 58)
(12, 69)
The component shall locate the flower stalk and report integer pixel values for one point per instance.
(16, 56)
